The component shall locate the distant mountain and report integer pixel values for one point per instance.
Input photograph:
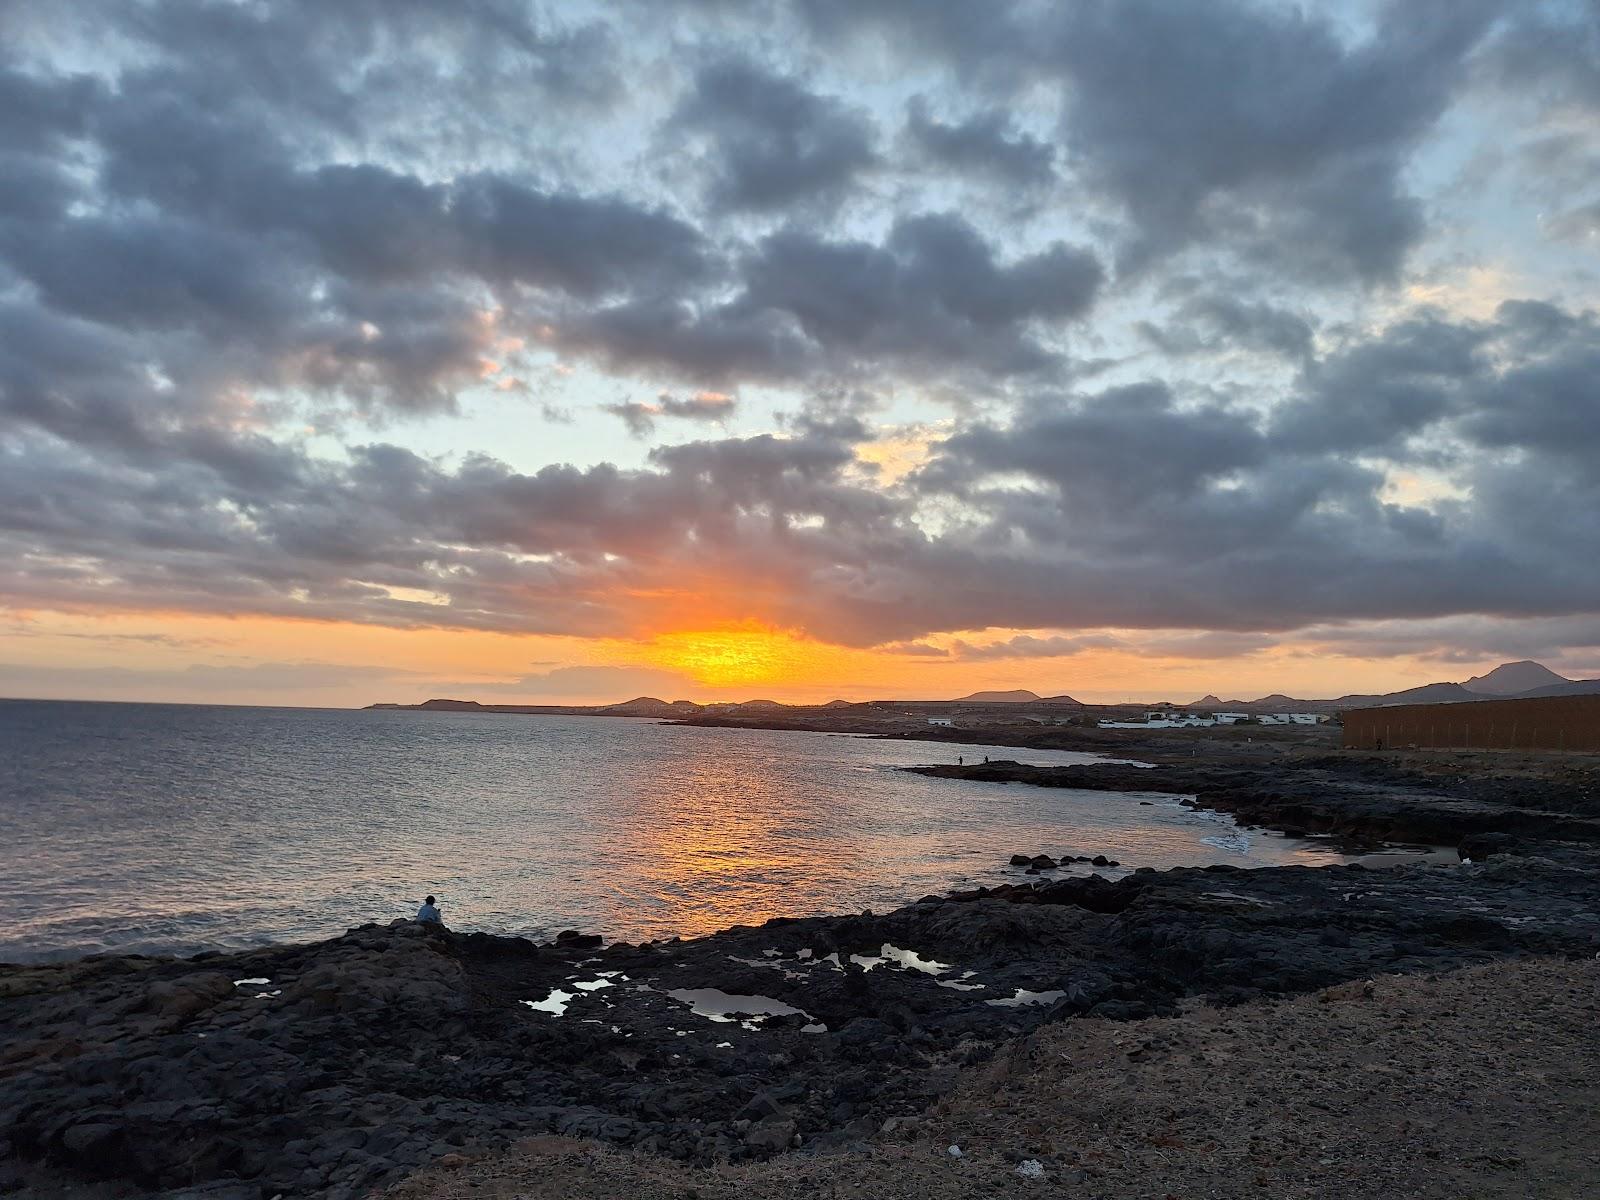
(1509, 681)
(1572, 687)
(1278, 700)
(838, 704)
(1019, 696)
(1062, 699)
(642, 706)
(1515, 679)
(1428, 693)
(762, 704)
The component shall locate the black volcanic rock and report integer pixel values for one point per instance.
(367, 1056)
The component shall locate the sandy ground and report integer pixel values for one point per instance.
(1477, 1083)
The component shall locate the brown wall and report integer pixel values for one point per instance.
(1549, 723)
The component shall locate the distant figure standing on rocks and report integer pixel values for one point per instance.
(428, 914)
(961, 761)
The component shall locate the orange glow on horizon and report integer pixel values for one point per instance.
(741, 655)
(276, 660)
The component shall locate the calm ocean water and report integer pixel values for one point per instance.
(163, 828)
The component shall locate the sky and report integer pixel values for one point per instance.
(389, 349)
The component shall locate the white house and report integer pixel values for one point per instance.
(947, 722)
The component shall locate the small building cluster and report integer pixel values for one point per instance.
(1174, 719)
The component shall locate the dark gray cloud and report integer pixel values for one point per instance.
(222, 224)
(1130, 508)
(987, 145)
(1209, 323)
(1553, 49)
(773, 143)
(1376, 393)
(641, 416)
(1547, 58)
(934, 295)
(935, 298)
(1260, 125)
(987, 44)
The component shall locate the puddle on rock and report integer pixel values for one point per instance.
(555, 1003)
(912, 961)
(1024, 997)
(723, 1007)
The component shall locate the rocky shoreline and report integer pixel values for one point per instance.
(1364, 799)
(333, 1068)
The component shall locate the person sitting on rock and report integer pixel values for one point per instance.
(428, 914)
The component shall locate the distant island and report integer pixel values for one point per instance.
(1510, 681)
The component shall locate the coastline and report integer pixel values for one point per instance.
(344, 1065)
(340, 1066)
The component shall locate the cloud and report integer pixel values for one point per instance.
(640, 417)
(197, 678)
(773, 143)
(932, 297)
(986, 145)
(1132, 507)
(914, 650)
(1025, 645)
(253, 257)
(1260, 126)
(1210, 323)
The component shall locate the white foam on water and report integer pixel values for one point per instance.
(1024, 997)
(1234, 842)
(555, 1003)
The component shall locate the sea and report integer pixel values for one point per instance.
(159, 828)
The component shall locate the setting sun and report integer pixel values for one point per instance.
(743, 654)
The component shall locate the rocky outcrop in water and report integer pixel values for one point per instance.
(1363, 800)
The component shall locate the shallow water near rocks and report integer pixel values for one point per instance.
(172, 828)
